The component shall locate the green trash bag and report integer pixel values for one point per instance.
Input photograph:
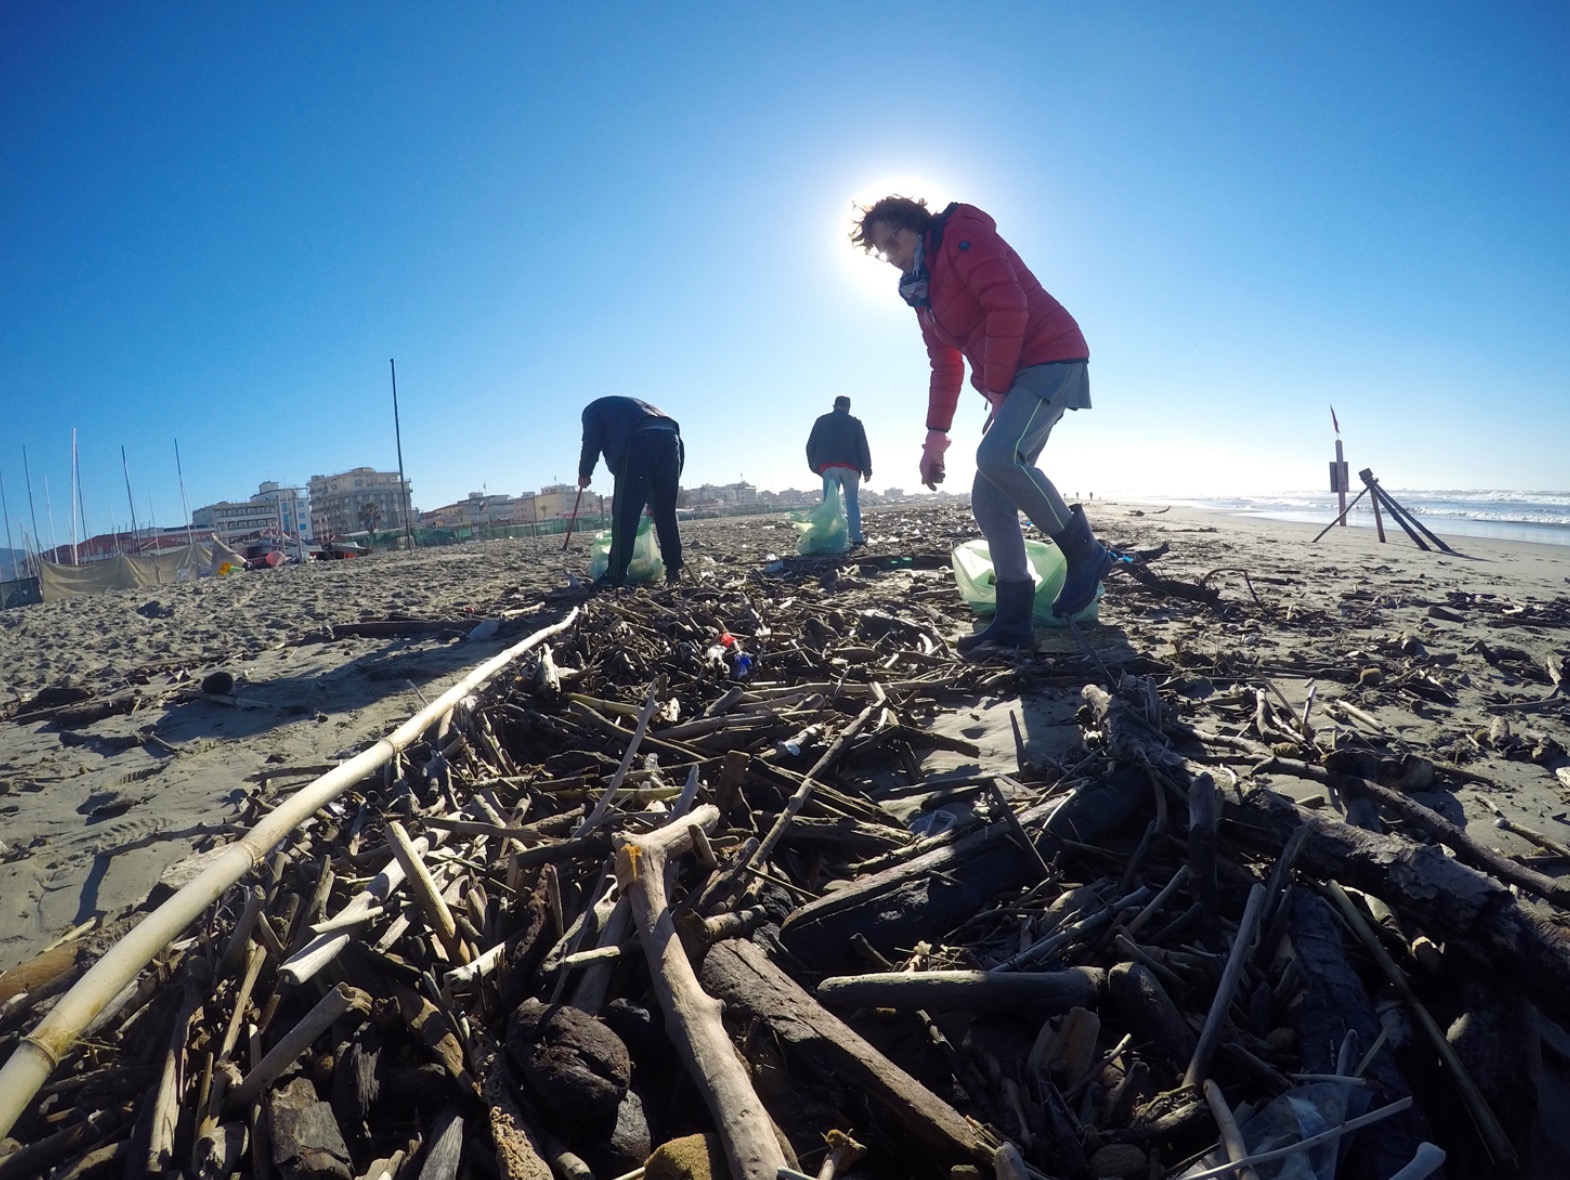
(646, 566)
(973, 571)
(823, 529)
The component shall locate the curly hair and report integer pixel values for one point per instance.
(897, 212)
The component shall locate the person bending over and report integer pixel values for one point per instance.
(976, 301)
(837, 450)
(643, 450)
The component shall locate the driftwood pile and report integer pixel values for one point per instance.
(655, 904)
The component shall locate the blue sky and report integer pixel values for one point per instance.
(222, 220)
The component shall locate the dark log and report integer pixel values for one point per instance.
(445, 1150)
(1148, 1012)
(306, 1141)
(741, 975)
(851, 838)
(1446, 898)
(931, 894)
(1496, 1034)
(1431, 822)
(1330, 1002)
(1204, 815)
(1037, 995)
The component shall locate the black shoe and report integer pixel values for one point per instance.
(606, 582)
(673, 576)
(1088, 562)
(1011, 624)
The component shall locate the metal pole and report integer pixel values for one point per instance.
(190, 538)
(33, 512)
(403, 487)
(571, 524)
(126, 467)
(50, 509)
(76, 553)
(10, 556)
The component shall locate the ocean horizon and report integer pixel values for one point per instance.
(1538, 517)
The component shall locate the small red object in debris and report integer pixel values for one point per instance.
(726, 639)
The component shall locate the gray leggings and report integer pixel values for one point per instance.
(1008, 481)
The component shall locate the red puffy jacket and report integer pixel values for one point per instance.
(985, 307)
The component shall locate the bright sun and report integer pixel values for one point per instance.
(867, 272)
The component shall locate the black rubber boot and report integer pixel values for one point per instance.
(1088, 563)
(1011, 624)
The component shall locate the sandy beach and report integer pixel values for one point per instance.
(1447, 654)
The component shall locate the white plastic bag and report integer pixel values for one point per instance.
(973, 571)
(824, 529)
(646, 565)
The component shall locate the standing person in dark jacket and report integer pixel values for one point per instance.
(977, 302)
(837, 450)
(642, 447)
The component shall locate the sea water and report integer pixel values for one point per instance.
(1541, 517)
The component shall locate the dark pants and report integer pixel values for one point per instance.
(650, 475)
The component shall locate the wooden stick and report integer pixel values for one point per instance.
(692, 1017)
(798, 800)
(591, 821)
(1224, 991)
(995, 788)
(1428, 1160)
(1231, 1137)
(423, 886)
(1280, 1153)
(341, 1000)
(1488, 1127)
(1341, 519)
(1045, 993)
(255, 957)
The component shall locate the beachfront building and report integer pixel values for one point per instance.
(481, 512)
(360, 500)
(722, 496)
(274, 512)
(555, 500)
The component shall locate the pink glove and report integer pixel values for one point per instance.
(932, 459)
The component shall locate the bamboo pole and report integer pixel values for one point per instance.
(42, 1049)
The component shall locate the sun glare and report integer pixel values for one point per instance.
(868, 273)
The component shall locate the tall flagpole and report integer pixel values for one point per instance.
(1339, 482)
(76, 484)
(32, 511)
(403, 488)
(54, 545)
(6, 510)
(190, 539)
(126, 467)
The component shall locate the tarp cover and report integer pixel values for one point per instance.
(186, 564)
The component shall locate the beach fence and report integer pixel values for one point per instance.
(19, 592)
(458, 534)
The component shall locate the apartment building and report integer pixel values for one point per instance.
(359, 500)
(272, 511)
(480, 511)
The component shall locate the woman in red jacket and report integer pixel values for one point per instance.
(977, 302)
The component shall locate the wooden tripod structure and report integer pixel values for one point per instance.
(1382, 499)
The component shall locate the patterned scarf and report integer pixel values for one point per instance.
(913, 288)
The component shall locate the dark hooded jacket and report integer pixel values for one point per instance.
(838, 440)
(609, 424)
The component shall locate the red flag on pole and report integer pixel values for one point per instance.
(1333, 421)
